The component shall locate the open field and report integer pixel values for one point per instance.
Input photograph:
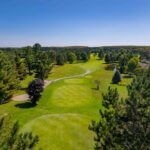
(66, 107)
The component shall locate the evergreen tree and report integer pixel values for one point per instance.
(37, 47)
(125, 124)
(8, 77)
(107, 58)
(116, 77)
(43, 65)
(11, 139)
(106, 126)
(29, 59)
(84, 56)
(135, 122)
(101, 54)
(20, 67)
(60, 59)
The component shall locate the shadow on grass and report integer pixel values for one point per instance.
(95, 89)
(25, 105)
(127, 76)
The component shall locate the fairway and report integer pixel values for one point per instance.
(67, 106)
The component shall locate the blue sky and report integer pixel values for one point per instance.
(74, 22)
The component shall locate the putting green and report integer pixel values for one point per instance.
(71, 95)
(62, 132)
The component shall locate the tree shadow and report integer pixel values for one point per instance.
(127, 76)
(95, 89)
(25, 105)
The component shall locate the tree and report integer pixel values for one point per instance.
(107, 58)
(29, 59)
(135, 122)
(11, 139)
(106, 126)
(8, 77)
(132, 64)
(20, 67)
(71, 57)
(84, 56)
(34, 90)
(43, 65)
(123, 59)
(60, 59)
(52, 56)
(116, 77)
(125, 124)
(101, 54)
(37, 47)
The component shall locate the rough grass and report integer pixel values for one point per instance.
(66, 107)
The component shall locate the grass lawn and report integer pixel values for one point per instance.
(65, 71)
(66, 107)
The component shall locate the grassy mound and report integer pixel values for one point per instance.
(62, 131)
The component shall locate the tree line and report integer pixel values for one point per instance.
(16, 64)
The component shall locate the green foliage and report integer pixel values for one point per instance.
(37, 47)
(42, 65)
(101, 54)
(34, 90)
(84, 56)
(29, 59)
(71, 57)
(116, 77)
(106, 126)
(60, 59)
(20, 67)
(11, 139)
(8, 77)
(107, 58)
(123, 61)
(132, 64)
(125, 124)
(136, 120)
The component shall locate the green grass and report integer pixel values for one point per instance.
(65, 71)
(24, 84)
(57, 129)
(66, 107)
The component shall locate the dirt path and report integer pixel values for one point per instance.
(25, 97)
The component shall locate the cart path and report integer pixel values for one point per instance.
(25, 97)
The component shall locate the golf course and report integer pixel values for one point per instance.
(67, 106)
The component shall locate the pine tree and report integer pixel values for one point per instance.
(116, 77)
(106, 126)
(136, 118)
(125, 124)
(11, 139)
(8, 77)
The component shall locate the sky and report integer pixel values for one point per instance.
(74, 22)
